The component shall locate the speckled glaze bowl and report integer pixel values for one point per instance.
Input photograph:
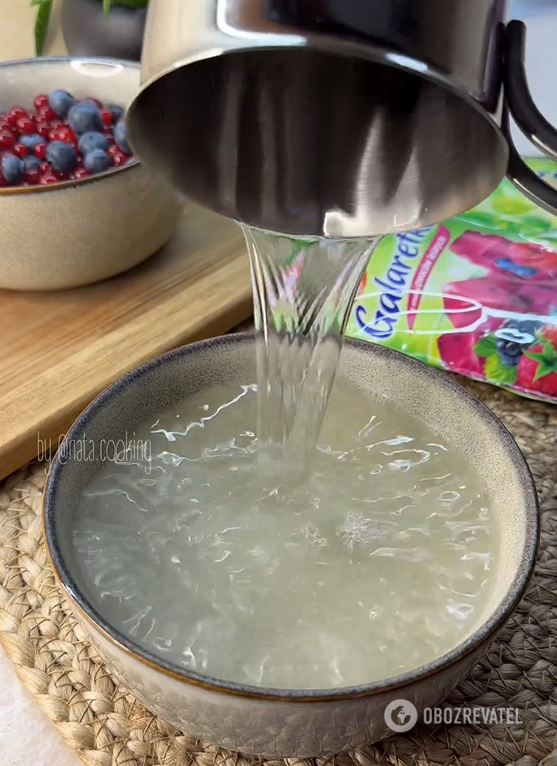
(296, 723)
(78, 232)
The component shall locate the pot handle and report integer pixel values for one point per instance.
(520, 105)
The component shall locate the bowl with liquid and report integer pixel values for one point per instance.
(281, 617)
(79, 230)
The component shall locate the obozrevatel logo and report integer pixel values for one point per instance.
(400, 716)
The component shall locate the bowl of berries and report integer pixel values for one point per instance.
(76, 205)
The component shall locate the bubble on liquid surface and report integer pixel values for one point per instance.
(360, 573)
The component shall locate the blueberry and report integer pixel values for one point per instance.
(116, 111)
(97, 161)
(12, 169)
(509, 352)
(520, 271)
(524, 271)
(514, 337)
(121, 137)
(85, 118)
(31, 164)
(31, 141)
(89, 102)
(522, 330)
(60, 101)
(90, 141)
(61, 156)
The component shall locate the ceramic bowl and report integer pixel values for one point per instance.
(295, 723)
(78, 232)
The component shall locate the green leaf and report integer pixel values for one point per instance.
(481, 219)
(497, 372)
(126, 3)
(132, 3)
(546, 359)
(41, 25)
(535, 227)
(486, 346)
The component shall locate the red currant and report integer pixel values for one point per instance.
(119, 159)
(67, 135)
(7, 140)
(40, 102)
(40, 151)
(16, 112)
(46, 114)
(106, 115)
(20, 151)
(26, 125)
(63, 134)
(44, 167)
(55, 129)
(81, 173)
(33, 176)
(48, 178)
(42, 128)
(113, 149)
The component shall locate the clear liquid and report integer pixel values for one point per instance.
(375, 565)
(303, 291)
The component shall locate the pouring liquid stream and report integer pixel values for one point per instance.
(291, 550)
(302, 291)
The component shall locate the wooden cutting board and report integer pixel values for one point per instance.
(59, 350)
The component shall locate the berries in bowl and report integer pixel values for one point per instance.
(61, 138)
(76, 204)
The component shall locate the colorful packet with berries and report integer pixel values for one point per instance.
(475, 295)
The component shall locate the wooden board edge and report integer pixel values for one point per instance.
(16, 454)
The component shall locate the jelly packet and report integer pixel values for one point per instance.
(475, 295)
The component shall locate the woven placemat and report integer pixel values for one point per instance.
(106, 726)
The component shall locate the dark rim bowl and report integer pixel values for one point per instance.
(60, 60)
(512, 456)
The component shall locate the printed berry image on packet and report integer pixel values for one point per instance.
(476, 295)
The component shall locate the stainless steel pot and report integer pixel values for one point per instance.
(342, 118)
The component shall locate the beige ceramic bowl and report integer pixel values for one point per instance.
(78, 232)
(273, 722)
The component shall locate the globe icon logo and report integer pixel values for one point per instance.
(401, 716)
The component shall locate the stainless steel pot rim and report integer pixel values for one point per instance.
(331, 45)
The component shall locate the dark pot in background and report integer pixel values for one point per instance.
(88, 32)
